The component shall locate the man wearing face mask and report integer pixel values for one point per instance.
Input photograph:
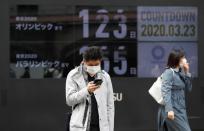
(89, 91)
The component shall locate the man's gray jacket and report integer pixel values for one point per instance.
(79, 98)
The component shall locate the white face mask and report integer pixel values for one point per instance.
(183, 61)
(93, 69)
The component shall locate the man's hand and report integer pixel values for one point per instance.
(91, 87)
(171, 115)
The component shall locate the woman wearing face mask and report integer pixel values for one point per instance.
(92, 102)
(176, 79)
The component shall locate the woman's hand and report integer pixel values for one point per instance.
(186, 67)
(171, 115)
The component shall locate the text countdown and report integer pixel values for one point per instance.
(167, 23)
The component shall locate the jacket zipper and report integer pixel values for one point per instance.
(85, 113)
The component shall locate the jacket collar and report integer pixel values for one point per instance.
(80, 74)
(176, 69)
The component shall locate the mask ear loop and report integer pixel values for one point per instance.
(82, 64)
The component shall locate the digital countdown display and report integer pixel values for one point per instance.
(48, 43)
(108, 23)
(167, 23)
(117, 57)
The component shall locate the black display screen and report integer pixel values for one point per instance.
(47, 41)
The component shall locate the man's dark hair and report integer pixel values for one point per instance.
(92, 53)
(174, 58)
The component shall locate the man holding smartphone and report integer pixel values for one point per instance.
(89, 91)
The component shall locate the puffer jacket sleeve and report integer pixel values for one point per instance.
(73, 95)
(167, 83)
(188, 80)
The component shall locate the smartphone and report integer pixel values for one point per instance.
(98, 82)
